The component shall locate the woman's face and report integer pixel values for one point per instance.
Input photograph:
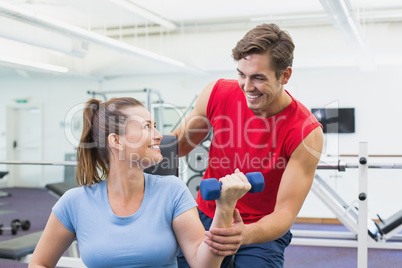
(141, 140)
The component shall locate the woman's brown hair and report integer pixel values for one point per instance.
(100, 120)
(267, 38)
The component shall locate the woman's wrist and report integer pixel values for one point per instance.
(225, 206)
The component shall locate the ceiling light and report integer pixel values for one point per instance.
(26, 64)
(81, 34)
(30, 34)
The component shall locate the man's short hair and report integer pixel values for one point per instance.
(270, 39)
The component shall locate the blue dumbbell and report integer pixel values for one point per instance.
(211, 188)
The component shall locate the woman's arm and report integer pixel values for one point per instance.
(190, 232)
(54, 241)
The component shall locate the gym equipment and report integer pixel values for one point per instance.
(59, 188)
(184, 113)
(25, 225)
(19, 247)
(197, 159)
(13, 229)
(170, 164)
(193, 184)
(148, 91)
(69, 171)
(148, 103)
(42, 163)
(363, 232)
(15, 225)
(211, 188)
(389, 227)
(2, 193)
(342, 165)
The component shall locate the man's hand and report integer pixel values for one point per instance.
(226, 241)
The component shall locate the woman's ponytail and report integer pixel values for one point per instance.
(91, 168)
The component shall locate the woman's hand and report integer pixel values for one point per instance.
(234, 187)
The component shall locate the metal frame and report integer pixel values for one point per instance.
(362, 237)
(148, 102)
(42, 163)
(354, 219)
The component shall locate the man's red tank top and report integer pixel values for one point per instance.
(243, 140)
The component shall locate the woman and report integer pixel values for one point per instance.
(122, 216)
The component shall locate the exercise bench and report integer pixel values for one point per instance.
(19, 247)
(389, 227)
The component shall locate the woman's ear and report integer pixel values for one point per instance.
(114, 142)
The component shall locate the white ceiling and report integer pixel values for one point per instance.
(101, 13)
(106, 13)
(109, 19)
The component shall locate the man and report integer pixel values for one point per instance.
(258, 126)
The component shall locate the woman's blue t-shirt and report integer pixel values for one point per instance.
(144, 239)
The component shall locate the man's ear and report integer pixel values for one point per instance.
(114, 141)
(287, 73)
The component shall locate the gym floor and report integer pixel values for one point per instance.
(25, 204)
(35, 205)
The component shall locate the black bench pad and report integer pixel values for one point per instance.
(59, 188)
(391, 223)
(20, 246)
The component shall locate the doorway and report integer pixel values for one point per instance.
(24, 143)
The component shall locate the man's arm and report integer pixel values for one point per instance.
(294, 187)
(196, 126)
(190, 133)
